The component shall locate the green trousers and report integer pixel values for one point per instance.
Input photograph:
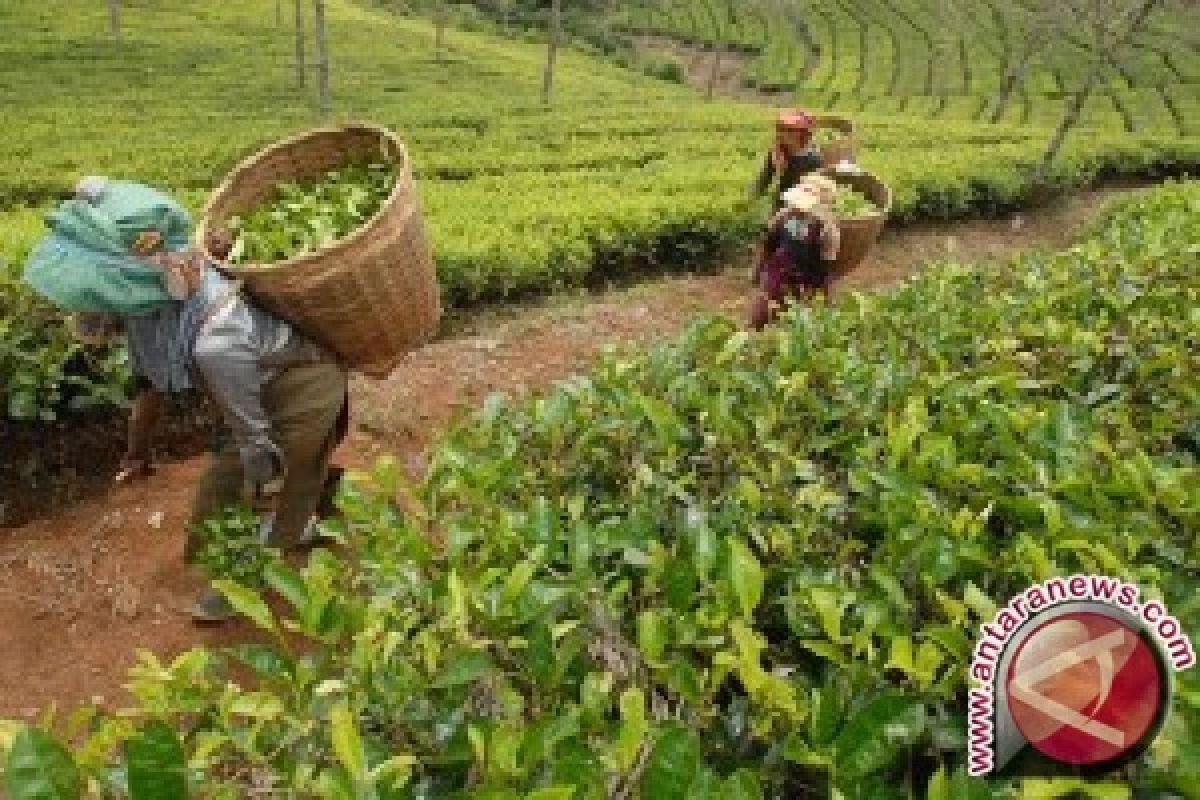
(307, 408)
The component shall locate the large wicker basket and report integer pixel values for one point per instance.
(859, 234)
(369, 297)
(842, 149)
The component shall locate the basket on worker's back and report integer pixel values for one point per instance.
(859, 233)
(369, 297)
(843, 148)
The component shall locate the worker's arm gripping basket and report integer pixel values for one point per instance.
(370, 296)
(859, 233)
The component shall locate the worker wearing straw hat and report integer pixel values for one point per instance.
(791, 156)
(801, 245)
(283, 396)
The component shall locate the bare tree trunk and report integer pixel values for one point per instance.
(114, 19)
(833, 48)
(322, 57)
(1002, 35)
(1014, 76)
(718, 46)
(439, 31)
(1071, 118)
(964, 59)
(714, 71)
(1037, 35)
(607, 9)
(552, 50)
(301, 68)
(929, 66)
(864, 48)
(1108, 50)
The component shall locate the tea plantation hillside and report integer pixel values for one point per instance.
(622, 173)
(940, 60)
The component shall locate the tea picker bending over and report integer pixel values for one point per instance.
(283, 397)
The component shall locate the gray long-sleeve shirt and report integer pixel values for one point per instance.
(234, 353)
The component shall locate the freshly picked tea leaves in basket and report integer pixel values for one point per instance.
(849, 203)
(304, 216)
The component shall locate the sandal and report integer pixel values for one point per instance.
(212, 608)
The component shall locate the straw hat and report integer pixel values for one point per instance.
(802, 197)
(826, 188)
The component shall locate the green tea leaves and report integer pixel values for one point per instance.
(248, 603)
(674, 761)
(310, 215)
(347, 744)
(849, 203)
(39, 768)
(878, 734)
(746, 573)
(155, 764)
(634, 727)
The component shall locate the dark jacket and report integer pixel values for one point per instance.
(798, 165)
(800, 252)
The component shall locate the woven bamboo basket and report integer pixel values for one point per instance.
(859, 234)
(369, 297)
(844, 148)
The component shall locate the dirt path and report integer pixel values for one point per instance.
(82, 590)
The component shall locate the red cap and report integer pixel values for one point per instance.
(794, 121)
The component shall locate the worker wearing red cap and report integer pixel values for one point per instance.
(791, 156)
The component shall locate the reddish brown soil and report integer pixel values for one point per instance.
(84, 588)
(59, 462)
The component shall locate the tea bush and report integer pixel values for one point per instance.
(737, 566)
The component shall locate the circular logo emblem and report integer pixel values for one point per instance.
(1085, 688)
